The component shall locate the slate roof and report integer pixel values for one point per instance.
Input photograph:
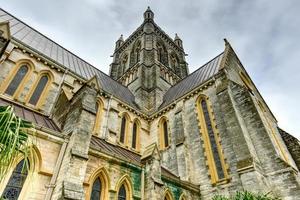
(193, 80)
(117, 151)
(31, 116)
(28, 36)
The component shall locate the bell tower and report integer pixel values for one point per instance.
(149, 62)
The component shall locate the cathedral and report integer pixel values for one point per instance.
(150, 130)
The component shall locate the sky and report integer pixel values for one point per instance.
(265, 35)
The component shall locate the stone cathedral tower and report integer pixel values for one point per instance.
(149, 62)
(147, 131)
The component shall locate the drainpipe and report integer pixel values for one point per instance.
(143, 184)
(52, 184)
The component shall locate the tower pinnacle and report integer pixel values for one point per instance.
(148, 14)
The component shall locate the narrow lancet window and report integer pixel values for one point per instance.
(134, 135)
(96, 190)
(38, 90)
(122, 195)
(16, 182)
(123, 130)
(213, 149)
(166, 136)
(15, 83)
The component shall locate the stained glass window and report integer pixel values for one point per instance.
(14, 84)
(166, 136)
(96, 190)
(212, 140)
(123, 127)
(38, 90)
(134, 134)
(122, 193)
(16, 182)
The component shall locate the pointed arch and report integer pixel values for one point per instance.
(16, 79)
(14, 175)
(123, 64)
(162, 53)
(124, 188)
(99, 114)
(168, 195)
(164, 134)
(99, 183)
(40, 89)
(124, 128)
(135, 53)
(212, 145)
(136, 129)
(182, 197)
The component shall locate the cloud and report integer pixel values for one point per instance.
(265, 35)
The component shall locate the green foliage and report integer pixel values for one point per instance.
(13, 139)
(245, 195)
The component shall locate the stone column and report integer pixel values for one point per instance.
(79, 124)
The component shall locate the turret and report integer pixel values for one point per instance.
(119, 42)
(148, 14)
(178, 41)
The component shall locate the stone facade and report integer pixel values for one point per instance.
(173, 146)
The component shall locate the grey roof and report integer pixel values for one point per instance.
(30, 115)
(192, 81)
(24, 34)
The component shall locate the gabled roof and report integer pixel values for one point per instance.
(193, 80)
(30, 37)
(31, 116)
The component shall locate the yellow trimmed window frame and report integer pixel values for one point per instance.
(136, 124)
(44, 94)
(6, 83)
(98, 119)
(163, 133)
(124, 181)
(124, 129)
(213, 150)
(273, 134)
(168, 195)
(102, 175)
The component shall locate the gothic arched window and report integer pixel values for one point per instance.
(162, 54)
(168, 195)
(124, 126)
(96, 190)
(42, 83)
(16, 182)
(99, 107)
(16, 81)
(212, 144)
(135, 135)
(135, 53)
(163, 133)
(122, 194)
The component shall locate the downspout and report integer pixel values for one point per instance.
(143, 184)
(52, 184)
(107, 114)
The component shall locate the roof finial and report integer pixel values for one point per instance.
(148, 14)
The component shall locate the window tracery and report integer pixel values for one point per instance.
(17, 79)
(216, 161)
(16, 181)
(39, 89)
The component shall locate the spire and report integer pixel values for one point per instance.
(178, 41)
(148, 14)
(119, 42)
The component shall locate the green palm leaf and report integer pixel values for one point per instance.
(13, 138)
